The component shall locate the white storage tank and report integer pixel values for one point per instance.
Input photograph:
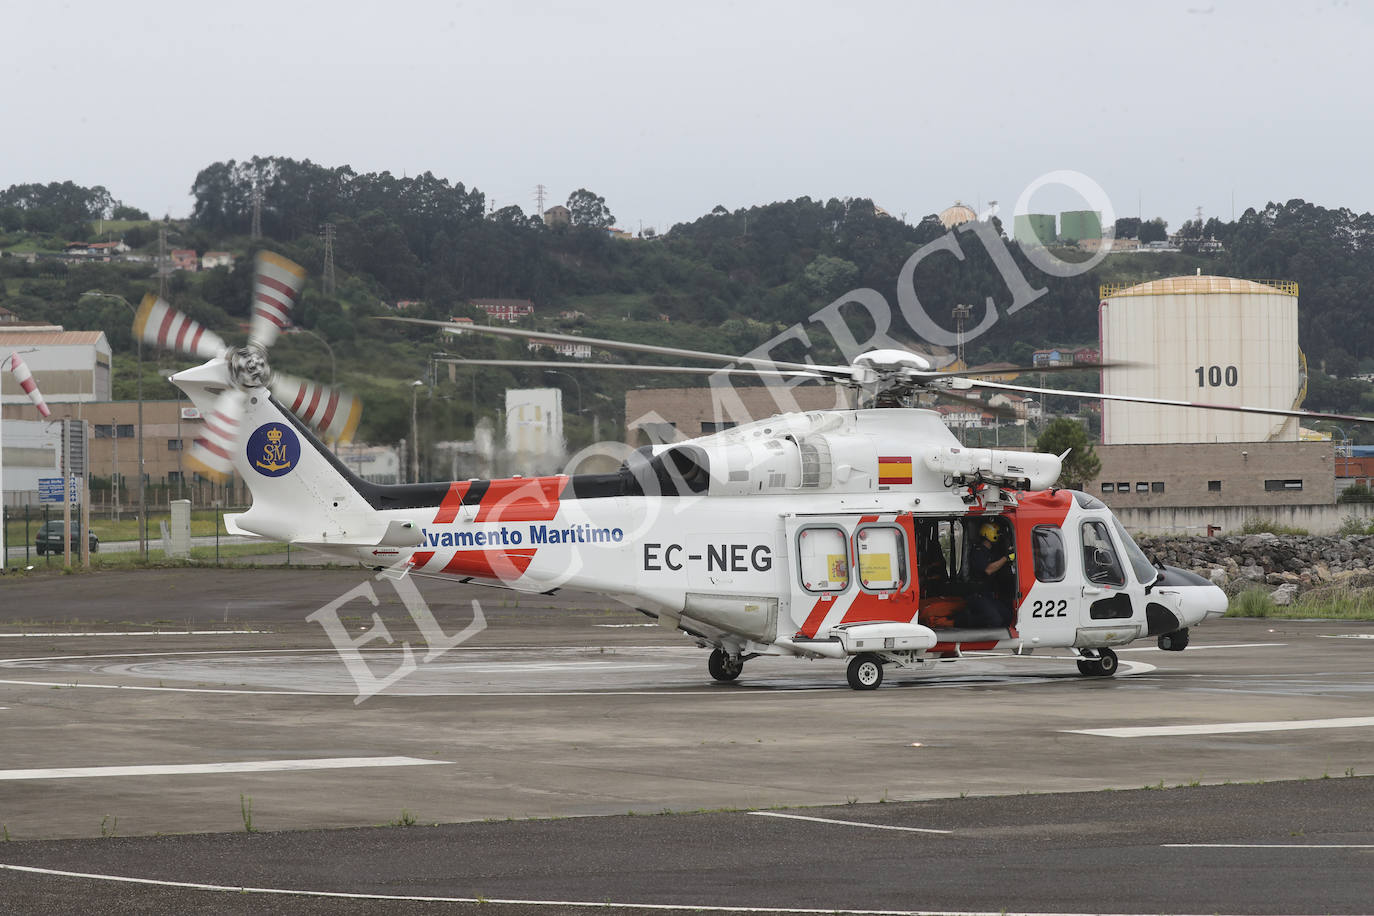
(1217, 340)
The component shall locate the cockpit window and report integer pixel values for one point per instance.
(1100, 563)
(1087, 500)
(1144, 570)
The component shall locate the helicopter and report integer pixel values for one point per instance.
(846, 534)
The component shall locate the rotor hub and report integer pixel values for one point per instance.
(248, 367)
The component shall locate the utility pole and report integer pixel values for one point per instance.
(415, 387)
(114, 469)
(328, 279)
(162, 261)
(540, 192)
(962, 313)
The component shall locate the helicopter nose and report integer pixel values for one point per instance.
(1204, 602)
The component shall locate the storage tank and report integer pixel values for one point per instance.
(1076, 225)
(1217, 340)
(957, 215)
(1034, 228)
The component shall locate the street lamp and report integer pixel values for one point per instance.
(574, 381)
(142, 490)
(332, 363)
(415, 387)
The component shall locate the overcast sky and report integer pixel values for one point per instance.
(667, 110)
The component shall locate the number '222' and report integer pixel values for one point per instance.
(1050, 608)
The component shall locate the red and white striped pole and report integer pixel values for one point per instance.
(16, 365)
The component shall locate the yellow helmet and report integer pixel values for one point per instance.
(989, 531)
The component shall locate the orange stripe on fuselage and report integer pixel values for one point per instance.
(531, 499)
(491, 564)
(813, 619)
(452, 502)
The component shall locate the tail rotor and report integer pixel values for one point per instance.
(277, 285)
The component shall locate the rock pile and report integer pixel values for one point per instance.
(1288, 564)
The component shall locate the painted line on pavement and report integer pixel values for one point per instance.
(144, 633)
(1267, 845)
(243, 766)
(828, 820)
(1345, 635)
(1195, 647)
(566, 904)
(1222, 728)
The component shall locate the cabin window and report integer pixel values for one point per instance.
(1100, 562)
(823, 558)
(1047, 548)
(881, 550)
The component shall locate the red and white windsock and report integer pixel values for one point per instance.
(159, 324)
(26, 382)
(332, 413)
(212, 454)
(277, 285)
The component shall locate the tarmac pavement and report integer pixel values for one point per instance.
(224, 694)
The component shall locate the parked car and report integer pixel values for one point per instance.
(49, 538)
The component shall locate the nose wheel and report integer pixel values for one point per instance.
(1176, 641)
(1102, 663)
(723, 667)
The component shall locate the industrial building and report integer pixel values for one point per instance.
(1034, 228)
(1079, 224)
(69, 366)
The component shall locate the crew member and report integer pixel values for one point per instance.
(991, 573)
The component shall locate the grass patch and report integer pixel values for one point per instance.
(1259, 524)
(200, 556)
(1318, 604)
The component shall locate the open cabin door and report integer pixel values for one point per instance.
(850, 569)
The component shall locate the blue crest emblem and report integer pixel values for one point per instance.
(274, 449)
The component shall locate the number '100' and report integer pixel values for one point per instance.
(1216, 376)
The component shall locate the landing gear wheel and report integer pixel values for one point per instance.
(1104, 664)
(1176, 641)
(865, 671)
(722, 666)
(1107, 663)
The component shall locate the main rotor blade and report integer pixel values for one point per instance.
(677, 352)
(1021, 370)
(1167, 402)
(630, 367)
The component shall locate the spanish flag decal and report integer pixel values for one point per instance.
(894, 469)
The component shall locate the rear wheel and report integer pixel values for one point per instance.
(865, 671)
(722, 666)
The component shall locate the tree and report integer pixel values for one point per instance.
(1128, 227)
(1081, 464)
(587, 209)
(124, 211)
(825, 276)
(1154, 230)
